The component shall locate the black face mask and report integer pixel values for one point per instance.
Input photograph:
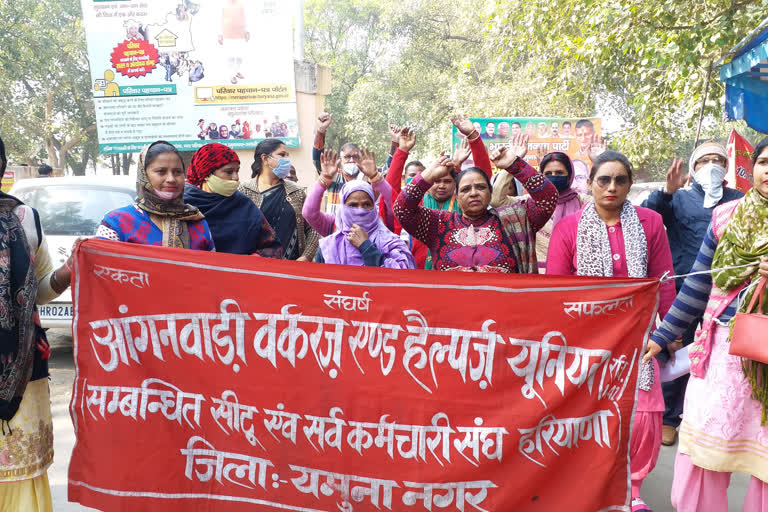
(560, 182)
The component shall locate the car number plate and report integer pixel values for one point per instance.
(55, 311)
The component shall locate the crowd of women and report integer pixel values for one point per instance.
(452, 215)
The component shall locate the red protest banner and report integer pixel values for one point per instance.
(739, 162)
(219, 382)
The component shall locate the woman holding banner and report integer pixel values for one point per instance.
(610, 237)
(480, 239)
(281, 200)
(557, 167)
(28, 278)
(237, 225)
(725, 419)
(159, 216)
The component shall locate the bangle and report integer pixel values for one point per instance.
(322, 182)
(376, 179)
(474, 132)
(66, 266)
(55, 282)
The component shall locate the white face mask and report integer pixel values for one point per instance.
(351, 169)
(711, 177)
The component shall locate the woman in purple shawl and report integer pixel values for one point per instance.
(360, 238)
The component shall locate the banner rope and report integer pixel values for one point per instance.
(667, 277)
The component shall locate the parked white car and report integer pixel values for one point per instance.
(69, 208)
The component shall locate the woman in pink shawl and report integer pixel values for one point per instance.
(360, 237)
(558, 168)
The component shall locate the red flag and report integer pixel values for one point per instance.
(211, 381)
(739, 162)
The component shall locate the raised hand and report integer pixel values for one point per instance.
(368, 163)
(324, 121)
(329, 165)
(439, 168)
(675, 180)
(407, 139)
(460, 153)
(463, 124)
(394, 133)
(597, 148)
(518, 145)
(357, 236)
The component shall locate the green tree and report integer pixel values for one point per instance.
(45, 83)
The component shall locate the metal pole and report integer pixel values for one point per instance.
(298, 34)
(703, 103)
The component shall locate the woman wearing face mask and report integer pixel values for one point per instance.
(610, 237)
(237, 225)
(329, 165)
(725, 425)
(361, 238)
(159, 216)
(281, 200)
(480, 239)
(558, 168)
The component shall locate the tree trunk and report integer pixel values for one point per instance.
(127, 160)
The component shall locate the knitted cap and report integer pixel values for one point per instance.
(708, 148)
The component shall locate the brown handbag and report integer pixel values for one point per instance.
(748, 339)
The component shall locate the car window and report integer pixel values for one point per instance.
(73, 210)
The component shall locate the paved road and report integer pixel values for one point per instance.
(656, 489)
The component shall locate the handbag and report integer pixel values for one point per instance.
(748, 339)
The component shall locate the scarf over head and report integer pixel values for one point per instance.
(172, 215)
(337, 249)
(745, 241)
(207, 160)
(20, 332)
(594, 258)
(568, 202)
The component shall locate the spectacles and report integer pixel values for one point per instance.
(354, 157)
(621, 180)
(718, 160)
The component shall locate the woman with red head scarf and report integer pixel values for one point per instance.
(237, 225)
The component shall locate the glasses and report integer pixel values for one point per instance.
(621, 181)
(718, 160)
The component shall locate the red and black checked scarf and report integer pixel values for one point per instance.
(207, 160)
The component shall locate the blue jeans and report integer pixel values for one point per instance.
(674, 391)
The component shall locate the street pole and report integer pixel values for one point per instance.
(298, 34)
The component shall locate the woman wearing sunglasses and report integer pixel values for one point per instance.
(610, 237)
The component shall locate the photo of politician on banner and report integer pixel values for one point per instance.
(210, 380)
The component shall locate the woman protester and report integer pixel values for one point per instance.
(159, 216)
(26, 425)
(236, 223)
(610, 237)
(480, 239)
(557, 167)
(725, 419)
(281, 200)
(329, 166)
(360, 237)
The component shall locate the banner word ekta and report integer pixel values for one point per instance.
(191, 71)
(571, 136)
(217, 382)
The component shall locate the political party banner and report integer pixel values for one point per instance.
(739, 162)
(571, 136)
(210, 381)
(191, 71)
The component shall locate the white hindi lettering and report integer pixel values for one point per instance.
(122, 344)
(565, 433)
(236, 415)
(248, 471)
(347, 303)
(175, 404)
(539, 359)
(456, 351)
(134, 278)
(353, 487)
(444, 495)
(597, 308)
